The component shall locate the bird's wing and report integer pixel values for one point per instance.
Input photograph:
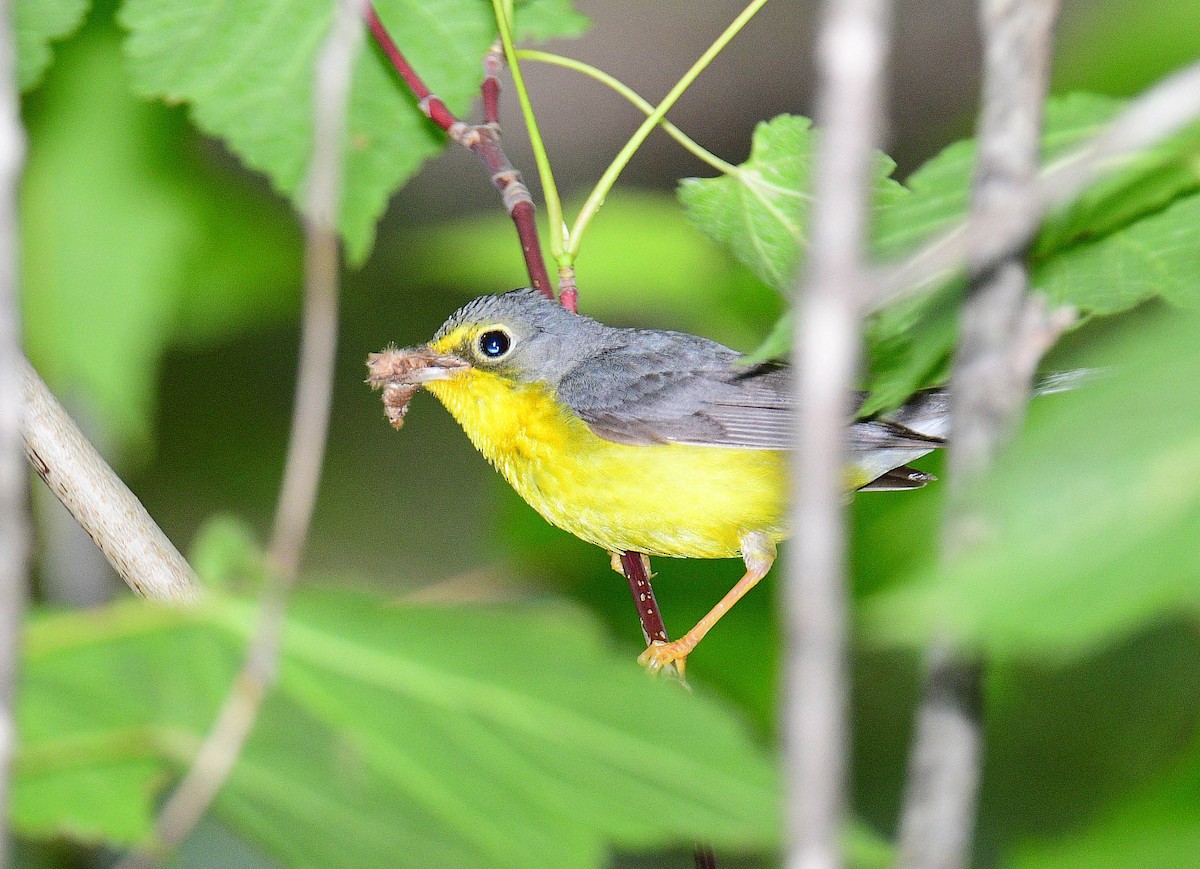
(667, 387)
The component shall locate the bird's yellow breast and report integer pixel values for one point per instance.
(669, 499)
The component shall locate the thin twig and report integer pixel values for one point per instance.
(703, 857)
(111, 514)
(483, 140)
(14, 510)
(318, 339)
(852, 51)
(219, 752)
(1004, 334)
(990, 235)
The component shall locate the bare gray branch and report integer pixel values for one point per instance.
(111, 514)
(318, 341)
(852, 52)
(988, 390)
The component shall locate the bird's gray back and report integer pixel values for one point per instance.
(655, 387)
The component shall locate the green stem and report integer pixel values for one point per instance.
(558, 242)
(609, 178)
(647, 108)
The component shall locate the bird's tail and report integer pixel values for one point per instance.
(927, 414)
(885, 444)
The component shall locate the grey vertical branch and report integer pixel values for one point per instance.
(14, 524)
(219, 752)
(318, 339)
(852, 51)
(1004, 333)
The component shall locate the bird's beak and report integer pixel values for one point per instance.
(400, 373)
(412, 366)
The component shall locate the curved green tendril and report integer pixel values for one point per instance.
(609, 178)
(646, 107)
(558, 239)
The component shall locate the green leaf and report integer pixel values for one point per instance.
(777, 344)
(866, 849)
(1156, 256)
(1096, 512)
(131, 240)
(96, 302)
(1133, 188)
(940, 189)
(226, 554)
(476, 736)
(538, 20)
(248, 77)
(760, 211)
(1095, 255)
(1160, 826)
(37, 23)
(759, 214)
(909, 347)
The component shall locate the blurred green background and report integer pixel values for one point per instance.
(161, 295)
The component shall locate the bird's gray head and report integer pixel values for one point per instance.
(520, 334)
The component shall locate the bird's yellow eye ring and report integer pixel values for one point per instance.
(495, 343)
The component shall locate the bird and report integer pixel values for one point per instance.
(640, 440)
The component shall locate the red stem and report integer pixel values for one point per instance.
(634, 566)
(484, 141)
(492, 62)
(568, 292)
(385, 41)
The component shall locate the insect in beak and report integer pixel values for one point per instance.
(400, 373)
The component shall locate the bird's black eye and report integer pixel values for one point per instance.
(494, 343)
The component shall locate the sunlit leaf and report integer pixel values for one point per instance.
(247, 74)
(36, 24)
(549, 19)
(761, 211)
(940, 188)
(399, 736)
(1156, 256)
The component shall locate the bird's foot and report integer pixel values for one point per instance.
(669, 656)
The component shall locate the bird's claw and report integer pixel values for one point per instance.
(669, 656)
